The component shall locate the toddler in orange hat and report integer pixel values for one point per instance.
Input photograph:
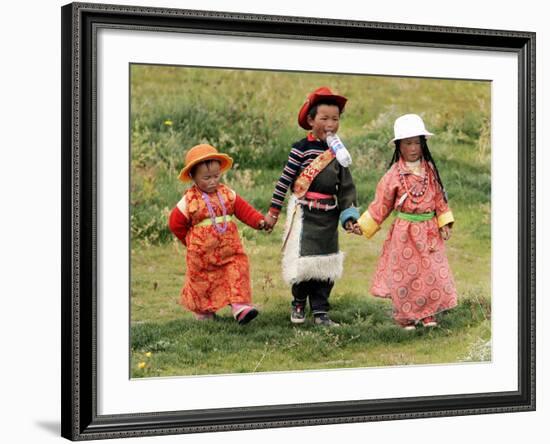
(204, 221)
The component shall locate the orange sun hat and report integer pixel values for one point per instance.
(315, 97)
(201, 153)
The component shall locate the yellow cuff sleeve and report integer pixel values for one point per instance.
(368, 225)
(445, 218)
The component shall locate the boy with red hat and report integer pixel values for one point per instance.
(323, 195)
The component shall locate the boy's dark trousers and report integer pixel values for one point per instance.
(318, 292)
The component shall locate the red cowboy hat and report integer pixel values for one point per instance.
(313, 98)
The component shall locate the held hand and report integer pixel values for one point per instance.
(445, 232)
(262, 225)
(270, 221)
(353, 228)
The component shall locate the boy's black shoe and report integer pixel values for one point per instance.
(298, 314)
(324, 320)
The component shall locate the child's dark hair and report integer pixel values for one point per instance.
(208, 164)
(427, 156)
(313, 110)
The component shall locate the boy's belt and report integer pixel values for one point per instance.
(313, 195)
(413, 217)
(312, 201)
(219, 220)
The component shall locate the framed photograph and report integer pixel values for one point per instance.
(146, 89)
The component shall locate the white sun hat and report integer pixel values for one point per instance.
(409, 125)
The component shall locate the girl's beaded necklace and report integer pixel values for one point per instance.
(219, 228)
(415, 195)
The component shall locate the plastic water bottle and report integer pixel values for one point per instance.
(338, 148)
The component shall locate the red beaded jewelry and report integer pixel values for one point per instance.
(413, 192)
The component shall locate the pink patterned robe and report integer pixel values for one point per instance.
(413, 269)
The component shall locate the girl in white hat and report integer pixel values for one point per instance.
(413, 270)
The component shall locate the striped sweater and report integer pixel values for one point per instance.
(301, 155)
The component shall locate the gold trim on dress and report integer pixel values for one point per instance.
(368, 225)
(445, 218)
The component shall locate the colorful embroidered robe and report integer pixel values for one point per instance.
(413, 269)
(217, 271)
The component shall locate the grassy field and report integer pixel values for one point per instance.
(252, 116)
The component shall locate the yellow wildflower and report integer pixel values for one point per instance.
(168, 122)
(141, 365)
(148, 354)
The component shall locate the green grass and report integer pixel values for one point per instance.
(184, 348)
(252, 117)
(179, 345)
(366, 338)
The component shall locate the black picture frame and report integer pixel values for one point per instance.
(80, 420)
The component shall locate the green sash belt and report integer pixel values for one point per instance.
(219, 220)
(415, 217)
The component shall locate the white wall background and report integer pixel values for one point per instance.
(30, 220)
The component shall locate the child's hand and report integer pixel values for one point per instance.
(270, 221)
(353, 227)
(263, 225)
(445, 232)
